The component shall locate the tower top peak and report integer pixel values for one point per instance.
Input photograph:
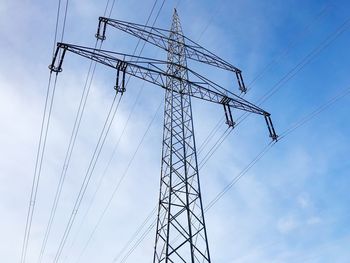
(176, 25)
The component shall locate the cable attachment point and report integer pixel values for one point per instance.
(272, 132)
(57, 60)
(120, 80)
(228, 114)
(102, 25)
(240, 81)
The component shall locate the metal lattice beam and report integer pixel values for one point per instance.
(160, 38)
(151, 70)
(181, 234)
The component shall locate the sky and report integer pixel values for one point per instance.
(291, 206)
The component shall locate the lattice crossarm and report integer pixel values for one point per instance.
(160, 38)
(150, 71)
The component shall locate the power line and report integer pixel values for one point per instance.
(38, 165)
(64, 20)
(116, 188)
(324, 44)
(218, 7)
(216, 145)
(305, 61)
(138, 241)
(290, 45)
(239, 176)
(103, 176)
(134, 236)
(314, 113)
(112, 7)
(288, 131)
(72, 140)
(210, 135)
(69, 152)
(119, 139)
(107, 4)
(56, 27)
(49, 99)
(103, 135)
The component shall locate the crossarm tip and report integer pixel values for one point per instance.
(270, 127)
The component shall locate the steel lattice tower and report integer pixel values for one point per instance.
(181, 235)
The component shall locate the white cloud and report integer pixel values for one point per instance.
(315, 220)
(304, 201)
(287, 224)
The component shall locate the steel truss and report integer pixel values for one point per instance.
(160, 38)
(181, 233)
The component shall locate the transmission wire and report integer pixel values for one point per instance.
(106, 8)
(314, 113)
(72, 140)
(38, 165)
(305, 61)
(215, 147)
(290, 45)
(239, 176)
(119, 183)
(80, 112)
(108, 163)
(124, 128)
(41, 146)
(285, 133)
(138, 241)
(88, 174)
(56, 28)
(64, 20)
(134, 236)
(210, 135)
(332, 37)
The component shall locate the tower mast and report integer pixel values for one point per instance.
(181, 234)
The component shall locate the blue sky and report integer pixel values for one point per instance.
(292, 206)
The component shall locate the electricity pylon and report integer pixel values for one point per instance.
(181, 231)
